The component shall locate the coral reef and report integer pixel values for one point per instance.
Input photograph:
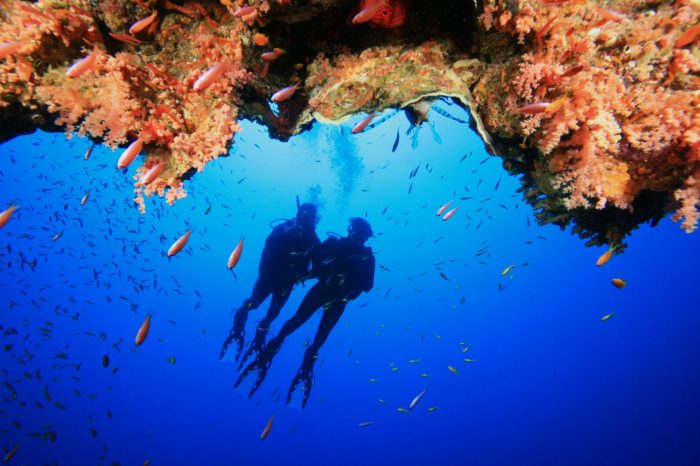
(620, 92)
(595, 105)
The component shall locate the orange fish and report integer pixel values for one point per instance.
(130, 153)
(235, 255)
(450, 214)
(360, 127)
(88, 152)
(532, 109)
(244, 11)
(688, 37)
(126, 38)
(556, 105)
(143, 331)
(261, 40)
(209, 77)
(5, 216)
(442, 209)
(152, 174)
(605, 257)
(179, 244)
(82, 66)
(619, 283)
(391, 15)
(368, 12)
(9, 48)
(285, 93)
(267, 429)
(611, 15)
(274, 54)
(85, 198)
(142, 24)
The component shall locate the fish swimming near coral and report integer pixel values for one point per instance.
(387, 14)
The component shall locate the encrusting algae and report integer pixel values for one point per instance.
(595, 104)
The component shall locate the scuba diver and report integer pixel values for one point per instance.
(344, 268)
(284, 262)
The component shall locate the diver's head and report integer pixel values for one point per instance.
(307, 216)
(359, 230)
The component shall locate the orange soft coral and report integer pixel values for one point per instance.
(627, 118)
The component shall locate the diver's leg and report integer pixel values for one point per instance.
(279, 298)
(261, 291)
(312, 301)
(331, 316)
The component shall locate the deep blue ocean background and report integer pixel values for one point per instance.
(549, 383)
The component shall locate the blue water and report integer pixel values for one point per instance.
(550, 383)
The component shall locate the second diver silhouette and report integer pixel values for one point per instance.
(344, 267)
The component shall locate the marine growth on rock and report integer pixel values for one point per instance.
(594, 104)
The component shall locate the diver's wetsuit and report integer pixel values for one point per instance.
(284, 262)
(344, 269)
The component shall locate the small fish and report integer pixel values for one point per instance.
(532, 109)
(418, 397)
(10, 454)
(285, 93)
(130, 153)
(235, 255)
(209, 77)
(469, 360)
(179, 244)
(360, 127)
(6, 214)
(372, 380)
(88, 152)
(261, 40)
(172, 360)
(245, 11)
(57, 236)
(402, 410)
(368, 12)
(430, 410)
(506, 270)
(82, 66)
(143, 331)
(453, 370)
(10, 48)
(607, 317)
(366, 424)
(605, 257)
(142, 24)
(396, 142)
(85, 198)
(443, 208)
(688, 37)
(266, 430)
(272, 55)
(105, 361)
(450, 214)
(619, 283)
(151, 175)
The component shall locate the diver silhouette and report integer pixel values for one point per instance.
(284, 262)
(344, 267)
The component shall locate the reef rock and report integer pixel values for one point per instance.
(594, 105)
